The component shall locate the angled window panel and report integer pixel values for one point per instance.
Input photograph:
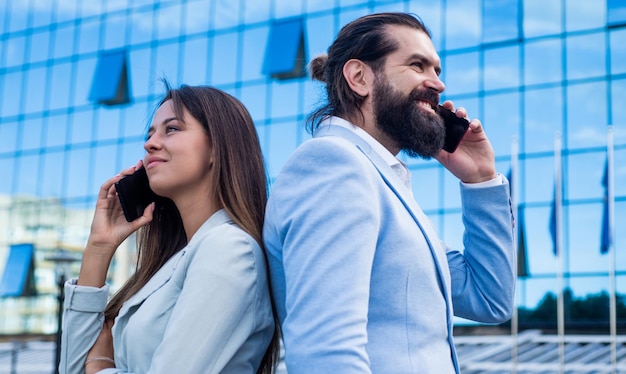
(616, 10)
(18, 278)
(285, 57)
(110, 81)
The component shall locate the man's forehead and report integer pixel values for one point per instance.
(412, 42)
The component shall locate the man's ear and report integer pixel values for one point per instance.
(359, 76)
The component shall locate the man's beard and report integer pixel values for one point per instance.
(417, 132)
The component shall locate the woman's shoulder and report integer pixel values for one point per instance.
(221, 237)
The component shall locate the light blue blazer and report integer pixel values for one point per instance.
(207, 310)
(360, 279)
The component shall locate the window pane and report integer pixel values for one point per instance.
(282, 143)
(7, 173)
(31, 133)
(584, 241)
(459, 32)
(618, 98)
(52, 178)
(168, 21)
(167, 65)
(254, 98)
(584, 175)
(584, 14)
(254, 45)
(285, 99)
(224, 59)
(27, 175)
(61, 77)
(14, 50)
(586, 115)
(82, 127)
(541, 17)
(35, 94)
(115, 31)
(56, 130)
(461, 73)
(501, 121)
(618, 52)
(140, 26)
(10, 103)
(195, 61)
(542, 120)
(586, 56)
(198, 16)
(8, 136)
(64, 41)
(617, 12)
(542, 61)
(430, 13)
(500, 20)
(78, 171)
(501, 68)
(89, 36)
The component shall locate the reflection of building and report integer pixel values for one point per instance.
(49, 227)
(78, 81)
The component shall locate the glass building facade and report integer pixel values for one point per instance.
(79, 81)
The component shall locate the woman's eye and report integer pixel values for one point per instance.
(171, 128)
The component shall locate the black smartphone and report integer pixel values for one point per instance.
(135, 194)
(455, 128)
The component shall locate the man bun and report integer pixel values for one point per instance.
(317, 66)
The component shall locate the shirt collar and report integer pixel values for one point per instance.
(383, 152)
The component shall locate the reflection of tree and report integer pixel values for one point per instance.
(582, 312)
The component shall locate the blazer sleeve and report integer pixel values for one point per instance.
(321, 227)
(83, 318)
(484, 275)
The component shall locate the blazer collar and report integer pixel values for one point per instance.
(165, 273)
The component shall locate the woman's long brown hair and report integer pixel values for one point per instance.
(240, 188)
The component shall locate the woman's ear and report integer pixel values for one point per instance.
(359, 76)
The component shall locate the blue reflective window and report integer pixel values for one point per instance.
(18, 278)
(542, 17)
(284, 56)
(110, 82)
(500, 20)
(616, 10)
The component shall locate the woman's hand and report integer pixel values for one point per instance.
(109, 229)
(100, 356)
(474, 159)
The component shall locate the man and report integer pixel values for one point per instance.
(361, 282)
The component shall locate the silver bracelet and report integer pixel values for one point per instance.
(100, 358)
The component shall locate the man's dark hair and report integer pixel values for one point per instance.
(365, 39)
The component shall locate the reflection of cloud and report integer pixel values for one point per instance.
(589, 135)
(463, 21)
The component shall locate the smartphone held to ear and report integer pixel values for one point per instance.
(455, 128)
(135, 194)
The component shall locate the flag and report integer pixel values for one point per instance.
(605, 234)
(553, 224)
(522, 259)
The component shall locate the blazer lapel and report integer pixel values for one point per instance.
(157, 281)
(398, 188)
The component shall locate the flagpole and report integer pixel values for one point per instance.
(559, 252)
(514, 202)
(611, 249)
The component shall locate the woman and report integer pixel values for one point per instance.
(199, 301)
